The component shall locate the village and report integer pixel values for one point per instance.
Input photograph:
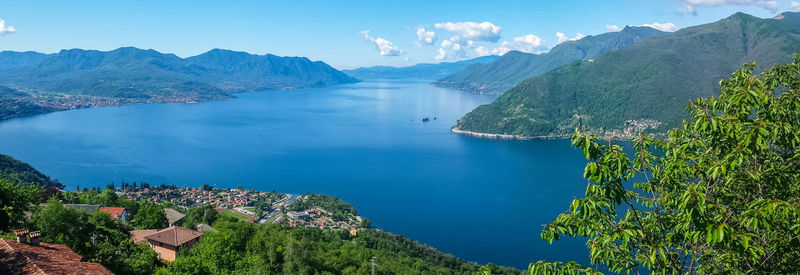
(247, 205)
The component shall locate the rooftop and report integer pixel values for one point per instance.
(173, 235)
(115, 212)
(173, 215)
(16, 258)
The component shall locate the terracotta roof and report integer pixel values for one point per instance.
(16, 258)
(115, 212)
(173, 215)
(174, 235)
(138, 235)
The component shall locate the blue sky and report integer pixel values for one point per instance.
(334, 31)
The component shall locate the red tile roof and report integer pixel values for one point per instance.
(115, 212)
(16, 258)
(174, 235)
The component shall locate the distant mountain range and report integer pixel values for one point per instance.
(514, 67)
(643, 87)
(84, 78)
(425, 71)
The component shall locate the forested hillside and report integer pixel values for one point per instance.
(643, 87)
(513, 67)
(14, 170)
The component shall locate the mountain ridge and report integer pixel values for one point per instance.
(515, 66)
(78, 78)
(422, 71)
(644, 87)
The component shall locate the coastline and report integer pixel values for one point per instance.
(497, 136)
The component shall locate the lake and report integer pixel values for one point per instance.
(480, 199)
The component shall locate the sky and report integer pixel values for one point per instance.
(348, 34)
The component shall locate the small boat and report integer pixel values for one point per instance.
(425, 119)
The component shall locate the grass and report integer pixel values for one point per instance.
(229, 213)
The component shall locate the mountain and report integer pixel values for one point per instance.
(122, 73)
(135, 73)
(643, 87)
(17, 171)
(11, 59)
(514, 66)
(426, 71)
(240, 70)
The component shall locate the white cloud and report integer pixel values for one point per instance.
(795, 6)
(385, 47)
(563, 38)
(771, 5)
(471, 31)
(6, 29)
(446, 43)
(527, 43)
(482, 51)
(441, 55)
(425, 37)
(688, 9)
(665, 27)
(612, 28)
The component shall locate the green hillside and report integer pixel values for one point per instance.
(514, 67)
(17, 171)
(643, 87)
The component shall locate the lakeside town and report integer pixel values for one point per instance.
(253, 206)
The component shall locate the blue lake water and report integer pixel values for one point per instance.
(479, 199)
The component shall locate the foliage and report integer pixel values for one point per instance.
(98, 238)
(639, 86)
(15, 200)
(514, 67)
(339, 209)
(721, 195)
(202, 214)
(14, 170)
(65, 225)
(243, 248)
(150, 216)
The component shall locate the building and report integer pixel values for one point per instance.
(116, 212)
(167, 242)
(297, 215)
(204, 227)
(43, 258)
(173, 216)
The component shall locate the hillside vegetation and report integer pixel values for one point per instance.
(643, 87)
(514, 67)
(14, 170)
(424, 71)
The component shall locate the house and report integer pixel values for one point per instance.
(204, 227)
(43, 258)
(116, 212)
(167, 242)
(173, 216)
(297, 215)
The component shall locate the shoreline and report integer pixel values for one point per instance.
(497, 136)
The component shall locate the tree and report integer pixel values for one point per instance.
(65, 225)
(15, 200)
(719, 195)
(150, 216)
(108, 198)
(202, 214)
(207, 187)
